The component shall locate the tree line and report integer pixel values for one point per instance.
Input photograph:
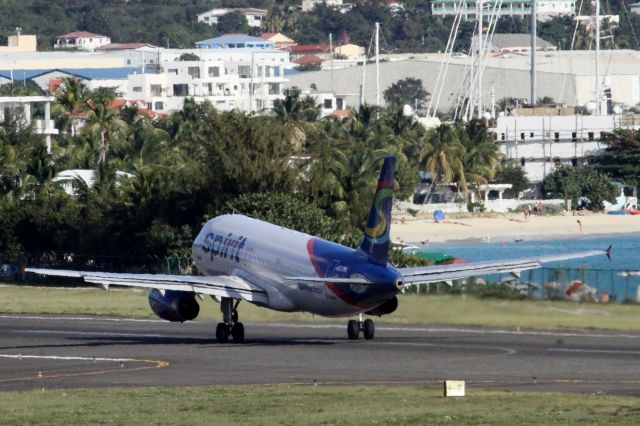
(290, 166)
(173, 23)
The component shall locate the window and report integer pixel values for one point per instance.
(339, 103)
(267, 71)
(531, 134)
(208, 88)
(574, 161)
(556, 136)
(172, 71)
(522, 136)
(259, 68)
(328, 104)
(180, 90)
(244, 71)
(523, 161)
(128, 61)
(214, 71)
(259, 103)
(159, 106)
(274, 89)
(155, 89)
(590, 136)
(194, 72)
(137, 89)
(501, 136)
(574, 137)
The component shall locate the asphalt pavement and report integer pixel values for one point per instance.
(52, 352)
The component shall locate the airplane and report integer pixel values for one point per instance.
(245, 259)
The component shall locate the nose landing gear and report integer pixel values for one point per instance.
(230, 325)
(367, 327)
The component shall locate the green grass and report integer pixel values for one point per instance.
(294, 405)
(431, 309)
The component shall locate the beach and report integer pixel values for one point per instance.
(509, 227)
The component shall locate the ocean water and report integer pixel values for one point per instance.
(618, 277)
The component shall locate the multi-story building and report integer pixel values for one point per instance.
(81, 40)
(254, 17)
(541, 142)
(246, 79)
(309, 5)
(545, 9)
(21, 107)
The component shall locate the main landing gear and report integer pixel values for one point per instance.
(367, 328)
(230, 326)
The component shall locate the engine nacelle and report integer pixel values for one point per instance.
(386, 308)
(174, 305)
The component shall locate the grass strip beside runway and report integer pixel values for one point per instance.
(423, 309)
(284, 404)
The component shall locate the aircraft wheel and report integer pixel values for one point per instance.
(368, 329)
(353, 330)
(238, 332)
(222, 333)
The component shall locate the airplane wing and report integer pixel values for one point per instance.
(219, 285)
(438, 273)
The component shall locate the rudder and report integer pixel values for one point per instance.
(376, 235)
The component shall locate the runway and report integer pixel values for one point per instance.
(52, 352)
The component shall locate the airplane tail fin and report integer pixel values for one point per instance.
(376, 235)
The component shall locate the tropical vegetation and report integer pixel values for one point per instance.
(174, 23)
(157, 180)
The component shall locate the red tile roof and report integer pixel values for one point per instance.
(80, 34)
(308, 59)
(340, 113)
(302, 48)
(267, 36)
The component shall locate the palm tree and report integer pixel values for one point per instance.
(443, 155)
(296, 115)
(70, 95)
(481, 154)
(105, 127)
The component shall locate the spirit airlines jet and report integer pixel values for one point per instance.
(244, 259)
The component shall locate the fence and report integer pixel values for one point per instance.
(578, 284)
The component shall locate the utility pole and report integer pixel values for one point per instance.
(534, 19)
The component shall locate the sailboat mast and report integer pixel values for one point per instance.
(480, 6)
(377, 63)
(598, 112)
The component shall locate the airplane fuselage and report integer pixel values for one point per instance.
(266, 254)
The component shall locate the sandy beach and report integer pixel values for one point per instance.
(509, 227)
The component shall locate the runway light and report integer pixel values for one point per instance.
(454, 388)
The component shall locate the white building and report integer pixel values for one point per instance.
(254, 17)
(81, 40)
(21, 106)
(545, 9)
(246, 79)
(309, 5)
(541, 143)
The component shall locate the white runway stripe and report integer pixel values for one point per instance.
(68, 318)
(94, 333)
(595, 351)
(66, 358)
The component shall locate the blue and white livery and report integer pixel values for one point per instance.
(241, 258)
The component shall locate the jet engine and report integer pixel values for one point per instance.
(386, 308)
(174, 305)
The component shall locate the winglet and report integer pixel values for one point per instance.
(608, 252)
(376, 236)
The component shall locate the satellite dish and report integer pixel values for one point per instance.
(407, 110)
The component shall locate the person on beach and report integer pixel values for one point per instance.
(526, 213)
(579, 225)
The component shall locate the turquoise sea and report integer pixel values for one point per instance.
(618, 277)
